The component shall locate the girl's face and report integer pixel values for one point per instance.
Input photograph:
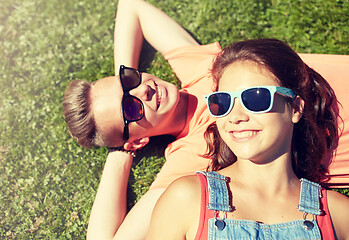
(259, 137)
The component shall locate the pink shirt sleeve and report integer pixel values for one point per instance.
(191, 63)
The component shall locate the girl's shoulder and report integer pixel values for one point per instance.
(185, 187)
(338, 205)
(337, 202)
(178, 210)
(184, 193)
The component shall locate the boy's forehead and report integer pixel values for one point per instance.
(108, 81)
(106, 87)
(106, 95)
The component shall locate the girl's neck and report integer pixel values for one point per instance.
(270, 177)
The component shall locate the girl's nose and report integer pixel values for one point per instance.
(238, 113)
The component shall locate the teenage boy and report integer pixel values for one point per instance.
(123, 111)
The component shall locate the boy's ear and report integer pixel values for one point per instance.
(298, 109)
(136, 144)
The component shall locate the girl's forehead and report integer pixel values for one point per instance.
(241, 75)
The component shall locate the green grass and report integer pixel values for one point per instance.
(48, 182)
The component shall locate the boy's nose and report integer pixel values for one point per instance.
(143, 92)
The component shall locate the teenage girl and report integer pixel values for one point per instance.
(276, 120)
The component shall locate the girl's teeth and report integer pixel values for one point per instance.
(244, 134)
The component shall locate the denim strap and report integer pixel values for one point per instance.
(309, 201)
(217, 191)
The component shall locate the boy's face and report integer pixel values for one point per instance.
(159, 99)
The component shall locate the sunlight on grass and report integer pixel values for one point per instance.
(48, 182)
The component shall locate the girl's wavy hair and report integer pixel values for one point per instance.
(315, 136)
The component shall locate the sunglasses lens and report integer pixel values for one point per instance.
(256, 99)
(219, 103)
(130, 79)
(133, 108)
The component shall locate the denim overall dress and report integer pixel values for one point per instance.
(228, 229)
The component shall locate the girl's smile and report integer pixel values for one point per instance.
(243, 136)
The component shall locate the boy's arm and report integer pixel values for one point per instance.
(109, 207)
(136, 20)
(107, 219)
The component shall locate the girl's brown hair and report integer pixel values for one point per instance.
(315, 136)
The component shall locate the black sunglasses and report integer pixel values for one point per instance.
(132, 107)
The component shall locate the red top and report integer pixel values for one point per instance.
(324, 221)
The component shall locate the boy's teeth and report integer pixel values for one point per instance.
(158, 96)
